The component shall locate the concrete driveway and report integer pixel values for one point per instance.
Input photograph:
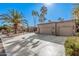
(32, 44)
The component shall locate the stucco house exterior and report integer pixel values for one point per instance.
(64, 28)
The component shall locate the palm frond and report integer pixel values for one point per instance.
(35, 13)
(5, 17)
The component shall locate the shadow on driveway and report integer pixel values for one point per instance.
(49, 38)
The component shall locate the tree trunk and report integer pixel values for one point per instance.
(15, 28)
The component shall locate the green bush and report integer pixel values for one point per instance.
(72, 46)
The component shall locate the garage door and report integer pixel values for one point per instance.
(65, 31)
(45, 30)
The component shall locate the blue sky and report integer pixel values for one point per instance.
(55, 11)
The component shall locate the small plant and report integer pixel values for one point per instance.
(72, 46)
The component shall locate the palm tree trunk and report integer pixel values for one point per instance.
(15, 28)
(34, 24)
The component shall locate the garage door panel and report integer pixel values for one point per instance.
(66, 31)
(45, 30)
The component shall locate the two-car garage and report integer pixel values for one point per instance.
(64, 28)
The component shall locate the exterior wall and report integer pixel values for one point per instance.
(57, 28)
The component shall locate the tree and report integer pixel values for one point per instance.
(76, 14)
(43, 10)
(34, 14)
(13, 17)
(42, 17)
(25, 23)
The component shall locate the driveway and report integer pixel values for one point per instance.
(32, 44)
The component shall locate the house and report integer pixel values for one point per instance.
(64, 28)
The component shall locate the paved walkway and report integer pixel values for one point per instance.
(31, 44)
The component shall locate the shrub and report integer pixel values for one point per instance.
(72, 46)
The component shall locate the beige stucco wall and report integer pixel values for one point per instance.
(57, 28)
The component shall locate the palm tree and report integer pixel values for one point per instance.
(34, 14)
(43, 10)
(42, 17)
(14, 17)
(25, 23)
